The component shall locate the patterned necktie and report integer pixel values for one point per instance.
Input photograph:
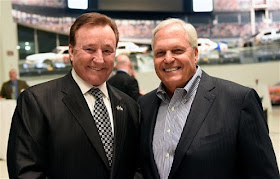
(102, 121)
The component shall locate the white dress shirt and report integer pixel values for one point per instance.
(90, 99)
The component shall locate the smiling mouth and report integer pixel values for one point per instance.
(96, 69)
(171, 69)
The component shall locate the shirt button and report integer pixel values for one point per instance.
(167, 155)
(172, 109)
(168, 130)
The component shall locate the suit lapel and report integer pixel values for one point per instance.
(200, 108)
(76, 103)
(119, 110)
(153, 110)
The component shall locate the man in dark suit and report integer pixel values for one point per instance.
(196, 126)
(123, 79)
(12, 88)
(58, 129)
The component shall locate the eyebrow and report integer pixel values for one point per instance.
(95, 45)
(89, 45)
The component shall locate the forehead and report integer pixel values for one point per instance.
(95, 30)
(171, 29)
(13, 72)
(173, 34)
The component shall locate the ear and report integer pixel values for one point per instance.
(195, 49)
(71, 49)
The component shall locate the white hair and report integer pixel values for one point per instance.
(190, 30)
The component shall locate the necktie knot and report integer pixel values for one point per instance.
(96, 93)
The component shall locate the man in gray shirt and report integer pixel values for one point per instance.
(196, 126)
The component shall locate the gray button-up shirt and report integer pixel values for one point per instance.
(171, 119)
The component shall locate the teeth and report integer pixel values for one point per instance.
(97, 69)
(171, 69)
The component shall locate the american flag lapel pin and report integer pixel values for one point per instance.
(119, 108)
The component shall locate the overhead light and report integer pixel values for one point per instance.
(77, 4)
(202, 5)
(27, 48)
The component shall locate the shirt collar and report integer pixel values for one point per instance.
(161, 91)
(14, 82)
(85, 87)
(192, 81)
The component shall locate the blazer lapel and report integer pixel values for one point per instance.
(119, 110)
(152, 116)
(76, 103)
(200, 108)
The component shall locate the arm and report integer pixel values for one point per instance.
(255, 150)
(134, 89)
(27, 146)
(3, 92)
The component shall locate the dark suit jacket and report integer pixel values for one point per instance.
(6, 91)
(53, 134)
(127, 84)
(225, 135)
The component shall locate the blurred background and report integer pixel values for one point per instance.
(239, 40)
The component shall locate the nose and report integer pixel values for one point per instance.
(168, 57)
(98, 57)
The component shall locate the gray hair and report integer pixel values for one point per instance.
(190, 30)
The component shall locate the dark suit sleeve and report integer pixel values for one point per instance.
(257, 158)
(2, 91)
(22, 85)
(134, 89)
(27, 156)
(5, 91)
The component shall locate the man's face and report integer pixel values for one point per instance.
(175, 60)
(93, 55)
(13, 75)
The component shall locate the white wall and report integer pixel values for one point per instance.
(8, 41)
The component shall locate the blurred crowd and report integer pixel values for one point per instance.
(219, 5)
(243, 5)
(48, 3)
(140, 28)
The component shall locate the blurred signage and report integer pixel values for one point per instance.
(10, 53)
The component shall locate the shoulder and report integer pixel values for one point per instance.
(222, 84)
(6, 83)
(147, 97)
(48, 87)
(22, 82)
(225, 90)
(120, 75)
(121, 95)
(118, 98)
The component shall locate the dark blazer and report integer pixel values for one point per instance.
(126, 83)
(225, 135)
(53, 134)
(6, 91)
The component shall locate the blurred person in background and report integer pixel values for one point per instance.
(12, 88)
(125, 77)
(196, 126)
(77, 126)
